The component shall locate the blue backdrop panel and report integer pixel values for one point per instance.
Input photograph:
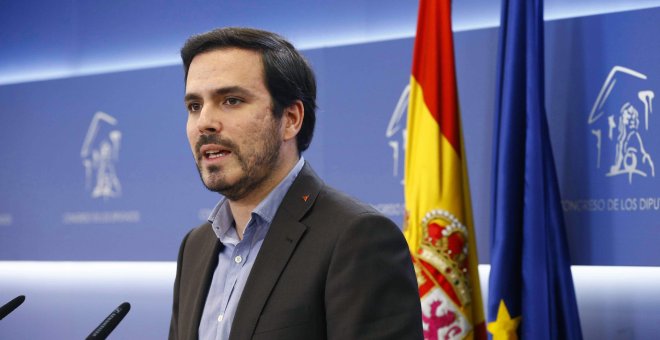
(96, 168)
(99, 168)
(603, 82)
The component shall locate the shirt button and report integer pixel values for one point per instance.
(220, 317)
(238, 259)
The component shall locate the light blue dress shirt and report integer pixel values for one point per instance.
(237, 257)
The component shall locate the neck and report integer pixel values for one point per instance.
(242, 209)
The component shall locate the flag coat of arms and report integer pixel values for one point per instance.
(438, 223)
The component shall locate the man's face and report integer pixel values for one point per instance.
(234, 137)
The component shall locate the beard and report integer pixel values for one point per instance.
(255, 165)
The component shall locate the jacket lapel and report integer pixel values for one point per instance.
(284, 234)
(208, 253)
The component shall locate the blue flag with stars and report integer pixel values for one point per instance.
(531, 294)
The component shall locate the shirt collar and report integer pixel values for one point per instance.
(222, 220)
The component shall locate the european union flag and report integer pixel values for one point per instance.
(531, 293)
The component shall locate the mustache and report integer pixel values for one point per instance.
(217, 140)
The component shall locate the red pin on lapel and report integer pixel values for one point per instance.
(305, 198)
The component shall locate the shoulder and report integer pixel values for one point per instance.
(344, 214)
(342, 205)
(330, 208)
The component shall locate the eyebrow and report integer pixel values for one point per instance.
(221, 92)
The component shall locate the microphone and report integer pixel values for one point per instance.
(11, 305)
(108, 325)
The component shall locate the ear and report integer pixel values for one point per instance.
(292, 119)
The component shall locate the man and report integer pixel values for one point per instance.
(283, 256)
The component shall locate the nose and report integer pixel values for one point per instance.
(208, 121)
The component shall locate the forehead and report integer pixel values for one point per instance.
(225, 67)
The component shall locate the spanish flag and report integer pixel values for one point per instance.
(439, 226)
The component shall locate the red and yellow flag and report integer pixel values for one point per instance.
(439, 226)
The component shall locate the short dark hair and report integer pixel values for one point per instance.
(287, 74)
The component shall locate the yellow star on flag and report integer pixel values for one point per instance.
(504, 328)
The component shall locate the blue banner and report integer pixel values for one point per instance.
(99, 168)
(531, 292)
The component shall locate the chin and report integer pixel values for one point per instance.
(217, 187)
(215, 184)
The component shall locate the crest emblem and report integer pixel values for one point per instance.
(442, 277)
(619, 121)
(100, 153)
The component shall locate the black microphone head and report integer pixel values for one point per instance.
(11, 305)
(109, 324)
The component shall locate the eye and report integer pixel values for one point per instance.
(194, 107)
(232, 101)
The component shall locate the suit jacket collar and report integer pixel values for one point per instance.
(285, 232)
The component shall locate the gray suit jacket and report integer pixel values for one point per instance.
(329, 268)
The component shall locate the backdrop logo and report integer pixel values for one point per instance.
(395, 135)
(620, 125)
(100, 153)
(396, 124)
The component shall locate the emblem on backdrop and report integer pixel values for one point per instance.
(619, 121)
(396, 140)
(395, 135)
(100, 154)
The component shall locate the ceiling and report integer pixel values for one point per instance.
(47, 39)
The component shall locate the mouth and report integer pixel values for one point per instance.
(212, 152)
